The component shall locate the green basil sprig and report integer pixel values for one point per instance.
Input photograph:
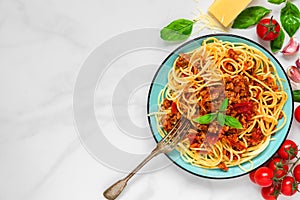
(177, 30)
(206, 119)
(232, 122)
(290, 18)
(250, 16)
(276, 1)
(222, 119)
(224, 105)
(296, 95)
(277, 44)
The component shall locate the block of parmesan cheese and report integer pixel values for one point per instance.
(225, 11)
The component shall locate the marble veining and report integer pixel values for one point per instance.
(43, 45)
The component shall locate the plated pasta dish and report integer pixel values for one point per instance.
(233, 97)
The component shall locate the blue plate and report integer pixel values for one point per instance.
(160, 80)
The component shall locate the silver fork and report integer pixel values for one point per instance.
(166, 145)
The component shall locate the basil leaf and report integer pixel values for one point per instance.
(177, 30)
(290, 18)
(250, 16)
(232, 122)
(277, 44)
(206, 119)
(276, 1)
(221, 119)
(224, 105)
(296, 95)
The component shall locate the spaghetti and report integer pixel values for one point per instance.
(198, 83)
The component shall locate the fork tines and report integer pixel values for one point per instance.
(178, 131)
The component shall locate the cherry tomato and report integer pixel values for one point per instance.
(279, 166)
(268, 29)
(263, 176)
(288, 186)
(251, 176)
(269, 193)
(297, 114)
(288, 146)
(296, 172)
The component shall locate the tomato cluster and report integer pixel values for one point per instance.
(297, 114)
(281, 175)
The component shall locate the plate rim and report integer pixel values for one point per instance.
(195, 40)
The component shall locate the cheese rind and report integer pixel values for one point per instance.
(225, 11)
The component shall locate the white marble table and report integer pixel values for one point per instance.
(43, 45)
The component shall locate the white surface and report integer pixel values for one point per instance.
(42, 46)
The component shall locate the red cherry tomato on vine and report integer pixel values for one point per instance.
(297, 114)
(288, 186)
(268, 29)
(288, 146)
(268, 193)
(263, 176)
(279, 166)
(251, 176)
(296, 172)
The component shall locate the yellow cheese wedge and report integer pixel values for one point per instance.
(225, 11)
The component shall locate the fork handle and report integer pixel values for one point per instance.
(115, 190)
